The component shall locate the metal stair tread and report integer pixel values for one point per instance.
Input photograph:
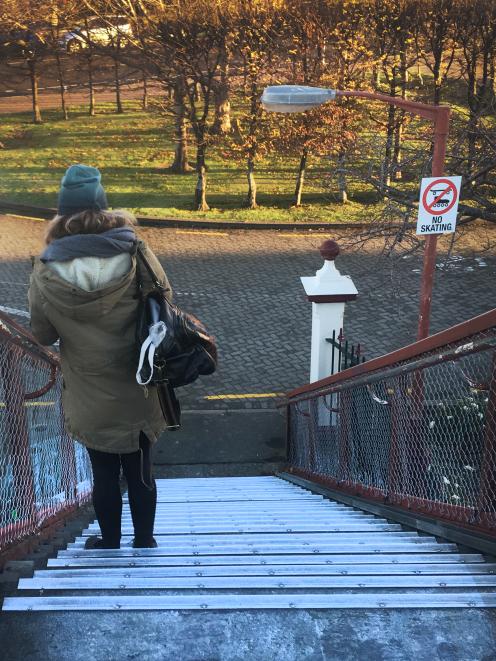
(254, 601)
(259, 543)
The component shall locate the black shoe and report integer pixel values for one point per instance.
(94, 542)
(149, 544)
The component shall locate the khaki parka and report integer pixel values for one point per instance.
(104, 407)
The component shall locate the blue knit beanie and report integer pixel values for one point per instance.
(81, 190)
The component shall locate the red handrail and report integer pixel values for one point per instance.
(454, 334)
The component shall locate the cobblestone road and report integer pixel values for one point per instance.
(245, 286)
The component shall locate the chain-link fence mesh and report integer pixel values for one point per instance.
(418, 433)
(42, 470)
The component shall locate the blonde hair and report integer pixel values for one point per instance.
(88, 222)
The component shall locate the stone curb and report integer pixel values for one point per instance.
(177, 223)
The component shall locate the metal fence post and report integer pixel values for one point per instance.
(393, 476)
(343, 436)
(23, 504)
(487, 486)
(68, 460)
(415, 445)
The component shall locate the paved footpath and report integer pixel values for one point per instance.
(245, 286)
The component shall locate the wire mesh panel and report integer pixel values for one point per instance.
(419, 432)
(42, 472)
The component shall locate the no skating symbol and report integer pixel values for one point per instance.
(438, 205)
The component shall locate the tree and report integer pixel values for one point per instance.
(114, 40)
(258, 25)
(222, 84)
(12, 75)
(317, 132)
(350, 54)
(28, 39)
(477, 37)
(435, 36)
(191, 35)
(62, 14)
(391, 22)
(147, 17)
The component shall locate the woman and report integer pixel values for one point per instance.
(83, 291)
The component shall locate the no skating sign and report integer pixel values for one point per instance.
(438, 205)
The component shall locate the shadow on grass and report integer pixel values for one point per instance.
(168, 201)
(97, 131)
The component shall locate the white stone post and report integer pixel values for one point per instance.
(328, 292)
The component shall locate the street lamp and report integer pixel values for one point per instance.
(296, 98)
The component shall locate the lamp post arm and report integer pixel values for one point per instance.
(422, 109)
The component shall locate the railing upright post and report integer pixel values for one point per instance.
(313, 430)
(394, 464)
(289, 436)
(68, 458)
(487, 486)
(69, 471)
(17, 437)
(343, 437)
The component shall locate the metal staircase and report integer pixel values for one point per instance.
(259, 543)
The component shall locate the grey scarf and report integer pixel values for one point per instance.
(107, 244)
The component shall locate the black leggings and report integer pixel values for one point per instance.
(142, 491)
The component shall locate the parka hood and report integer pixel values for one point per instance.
(77, 303)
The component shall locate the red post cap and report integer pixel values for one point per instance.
(329, 250)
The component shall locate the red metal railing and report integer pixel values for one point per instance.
(43, 473)
(415, 428)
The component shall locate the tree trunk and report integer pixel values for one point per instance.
(144, 100)
(473, 104)
(472, 126)
(376, 73)
(400, 115)
(245, 78)
(398, 135)
(201, 183)
(436, 71)
(91, 110)
(301, 177)
(485, 92)
(304, 64)
(60, 73)
(180, 164)
(118, 100)
(251, 198)
(321, 54)
(33, 75)
(491, 81)
(222, 121)
(419, 75)
(390, 134)
(197, 92)
(342, 187)
(437, 94)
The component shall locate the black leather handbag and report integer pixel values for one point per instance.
(175, 347)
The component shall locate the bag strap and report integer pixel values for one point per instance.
(140, 255)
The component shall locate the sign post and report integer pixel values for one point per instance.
(438, 205)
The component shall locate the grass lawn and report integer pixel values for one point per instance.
(134, 150)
